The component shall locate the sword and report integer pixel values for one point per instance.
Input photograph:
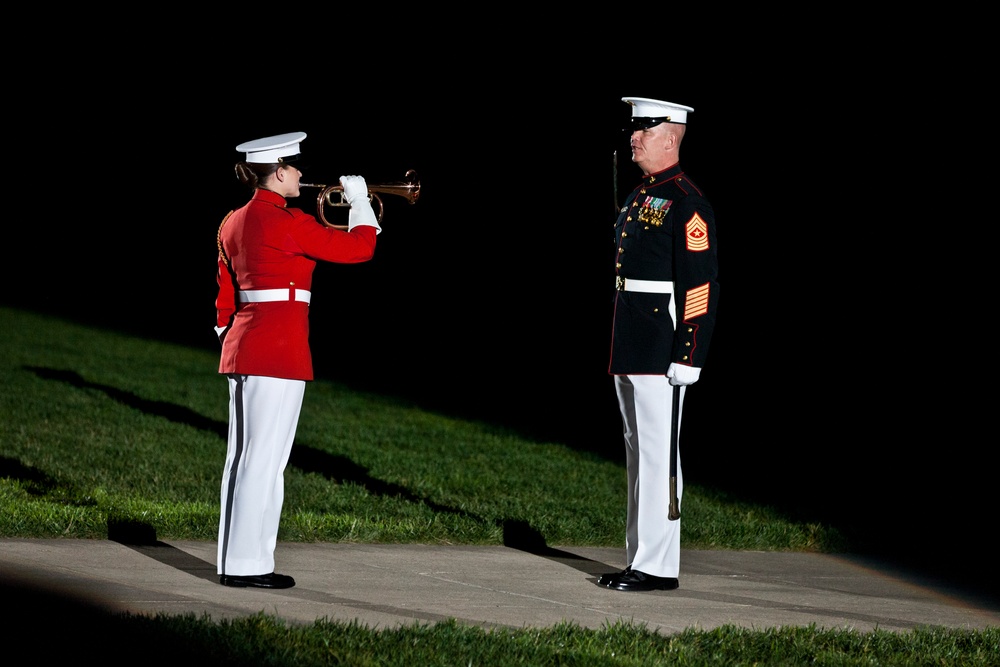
(675, 512)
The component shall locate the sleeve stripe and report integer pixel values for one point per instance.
(696, 302)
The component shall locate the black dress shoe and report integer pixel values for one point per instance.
(611, 577)
(257, 581)
(635, 580)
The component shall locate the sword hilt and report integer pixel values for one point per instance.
(674, 512)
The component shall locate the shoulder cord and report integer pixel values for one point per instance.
(218, 239)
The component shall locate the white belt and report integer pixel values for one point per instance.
(258, 295)
(633, 285)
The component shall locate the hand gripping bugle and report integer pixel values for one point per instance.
(408, 188)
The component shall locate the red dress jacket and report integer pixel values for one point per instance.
(265, 245)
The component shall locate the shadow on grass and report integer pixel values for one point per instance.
(517, 533)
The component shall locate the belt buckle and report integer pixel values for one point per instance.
(619, 283)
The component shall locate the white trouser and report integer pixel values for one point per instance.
(263, 415)
(652, 541)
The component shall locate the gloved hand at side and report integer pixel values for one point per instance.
(356, 194)
(680, 375)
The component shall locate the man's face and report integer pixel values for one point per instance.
(650, 147)
(645, 142)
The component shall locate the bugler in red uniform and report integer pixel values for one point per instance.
(267, 254)
(266, 245)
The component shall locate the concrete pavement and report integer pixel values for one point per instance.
(388, 586)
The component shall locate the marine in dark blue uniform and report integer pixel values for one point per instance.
(667, 295)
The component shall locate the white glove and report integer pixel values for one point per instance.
(221, 332)
(354, 188)
(356, 194)
(680, 375)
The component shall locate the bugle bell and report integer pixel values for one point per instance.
(333, 195)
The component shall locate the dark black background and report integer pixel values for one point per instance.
(490, 298)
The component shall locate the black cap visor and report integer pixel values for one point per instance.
(645, 122)
(294, 160)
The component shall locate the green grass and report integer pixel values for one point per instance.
(110, 428)
(103, 429)
(261, 639)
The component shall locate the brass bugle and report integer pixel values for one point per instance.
(409, 188)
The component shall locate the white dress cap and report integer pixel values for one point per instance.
(667, 112)
(270, 150)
